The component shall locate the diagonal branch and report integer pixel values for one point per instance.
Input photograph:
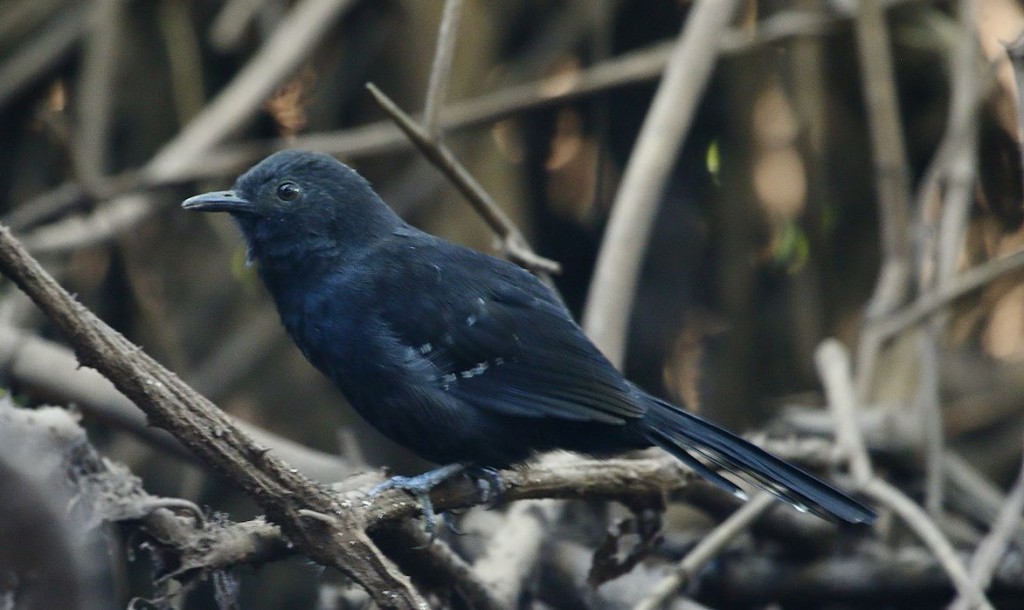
(287, 497)
(437, 153)
(441, 71)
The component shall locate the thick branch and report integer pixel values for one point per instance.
(281, 491)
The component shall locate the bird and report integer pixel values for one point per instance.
(467, 360)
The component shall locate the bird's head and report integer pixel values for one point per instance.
(297, 203)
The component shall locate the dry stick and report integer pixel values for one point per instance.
(834, 369)
(171, 404)
(437, 153)
(932, 536)
(833, 364)
(96, 87)
(610, 300)
(441, 71)
(960, 285)
(979, 498)
(1007, 523)
(991, 550)
(966, 86)
(304, 26)
(892, 178)
(710, 546)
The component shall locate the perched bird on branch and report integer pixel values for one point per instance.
(463, 358)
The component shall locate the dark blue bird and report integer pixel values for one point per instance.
(463, 358)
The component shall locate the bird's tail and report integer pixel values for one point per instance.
(687, 436)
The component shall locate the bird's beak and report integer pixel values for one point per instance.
(218, 201)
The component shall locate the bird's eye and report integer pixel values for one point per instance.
(287, 191)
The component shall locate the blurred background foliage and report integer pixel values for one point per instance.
(766, 242)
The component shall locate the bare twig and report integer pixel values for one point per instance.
(833, 364)
(441, 71)
(958, 286)
(918, 520)
(892, 178)
(989, 553)
(184, 59)
(95, 107)
(197, 423)
(903, 577)
(625, 240)
(966, 87)
(709, 546)
(974, 495)
(513, 241)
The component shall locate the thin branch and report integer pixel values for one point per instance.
(96, 86)
(441, 71)
(709, 547)
(892, 177)
(989, 553)
(171, 404)
(610, 300)
(926, 304)
(918, 520)
(437, 153)
(833, 364)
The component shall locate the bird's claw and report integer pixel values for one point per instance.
(488, 483)
(419, 487)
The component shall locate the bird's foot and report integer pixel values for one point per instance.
(488, 483)
(419, 487)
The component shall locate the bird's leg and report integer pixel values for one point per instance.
(419, 486)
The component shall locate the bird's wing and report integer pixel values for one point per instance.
(499, 340)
